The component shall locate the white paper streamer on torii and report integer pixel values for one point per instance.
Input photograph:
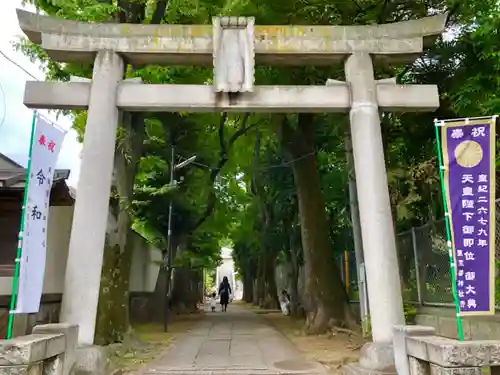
(47, 142)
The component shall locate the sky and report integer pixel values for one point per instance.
(15, 118)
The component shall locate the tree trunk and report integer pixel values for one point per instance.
(294, 288)
(155, 306)
(247, 288)
(255, 296)
(196, 290)
(200, 285)
(261, 282)
(182, 291)
(326, 301)
(113, 307)
(270, 290)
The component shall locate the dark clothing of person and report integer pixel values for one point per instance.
(224, 291)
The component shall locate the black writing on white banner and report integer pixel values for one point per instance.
(45, 149)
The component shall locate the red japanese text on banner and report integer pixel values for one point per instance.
(45, 149)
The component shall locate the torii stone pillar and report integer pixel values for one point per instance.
(231, 44)
(377, 227)
(83, 268)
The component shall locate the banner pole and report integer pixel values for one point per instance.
(15, 280)
(448, 236)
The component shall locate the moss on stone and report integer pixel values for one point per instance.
(112, 311)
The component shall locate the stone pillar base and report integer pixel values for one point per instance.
(90, 360)
(376, 358)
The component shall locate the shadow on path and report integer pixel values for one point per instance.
(235, 342)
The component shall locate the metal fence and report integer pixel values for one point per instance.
(423, 264)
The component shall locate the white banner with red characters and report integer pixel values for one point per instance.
(45, 147)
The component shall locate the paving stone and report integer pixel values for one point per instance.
(237, 342)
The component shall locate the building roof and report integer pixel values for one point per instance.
(10, 161)
(15, 178)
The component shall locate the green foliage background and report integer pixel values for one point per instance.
(217, 202)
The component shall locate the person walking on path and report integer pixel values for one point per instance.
(224, 292)
(213, 301)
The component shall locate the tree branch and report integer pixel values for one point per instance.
(159, 13)
(242, 130)
(131, 12)
(121, 17)
(357, 5)
(452, 10)
(381, 18)
(223, 158)
(255, 161)
(305, 128)
(222, 142)
(286, 133)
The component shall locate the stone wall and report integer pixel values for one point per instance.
(141, 304)
(24, 323)
(145, 265)
(444, 321)
(50, 350)
(58, 232)
(418, 350)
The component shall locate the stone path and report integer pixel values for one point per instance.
(237, 342)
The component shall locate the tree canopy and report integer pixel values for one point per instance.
(275, 186)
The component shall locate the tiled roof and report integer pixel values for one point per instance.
(15, 178)
(10, 161)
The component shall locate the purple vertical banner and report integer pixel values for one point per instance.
(468, 148)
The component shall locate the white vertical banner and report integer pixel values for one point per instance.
(47, 142)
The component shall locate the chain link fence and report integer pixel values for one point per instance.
(423, 264)
(430, 263)
(423, 257)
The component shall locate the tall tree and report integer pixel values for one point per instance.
(220, 185)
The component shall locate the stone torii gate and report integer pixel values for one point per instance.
(232, 45)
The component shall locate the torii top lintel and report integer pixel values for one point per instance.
(69, 41)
